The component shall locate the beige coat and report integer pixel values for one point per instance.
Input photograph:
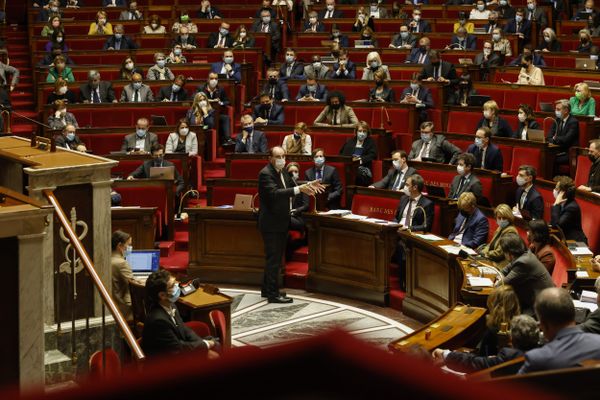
(121, 275)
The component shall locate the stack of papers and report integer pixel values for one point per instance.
(475, 281)
(587, 296)
(355, 217)
(335, 212)
(429, 236)
(583, 304)
(453, 249)
(581, 251)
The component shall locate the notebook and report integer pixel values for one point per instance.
(547, 107)
(162, 173)
(158, 120)
(143, 262)
(363, 43)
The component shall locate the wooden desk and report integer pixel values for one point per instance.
(198, 305)
(457, 327)
(139, 222)
(225, 246)
(349, 258)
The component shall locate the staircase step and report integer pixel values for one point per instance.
(167, 248)
(300, 255)
(214, 174)
(177, 263)
(182, 239)
(58, 367)
(396, 298)
(295, 274)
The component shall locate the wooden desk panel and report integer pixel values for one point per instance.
(349, 258)
(139, 222)
(198, 305)
(225, 246)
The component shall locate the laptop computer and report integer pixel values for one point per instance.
(585, 63)
(547, 107)
(478, 100)
(436, 191)
(158, 120)
(143, 262)
(242, 202)
(536, 135)
(363, 43)
(162, 173)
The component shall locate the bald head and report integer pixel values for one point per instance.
(555, 310)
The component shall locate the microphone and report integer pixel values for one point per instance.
(412, 214)
(553, 120)
(387, 116)
(463, 254)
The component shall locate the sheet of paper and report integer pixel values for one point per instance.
(335, 212)
(376, 220)
(355, 217)
(582, 251)
(225, 206)
(582, 274)
(582, 304)
(429, 236)
(451, 249)
(480, 282)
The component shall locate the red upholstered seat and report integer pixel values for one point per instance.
(559, 274)
(330, 142)
(376, 167)
(493, 226)
(217, 319)
(374, 207)
(548, 201)
(496, 94)
(486, 183)
(435, 227)
(582, 173)
(463, 121)
(245, 169)
(200, 328)
(507, 154)
(522, 156)
(513, 99)
(105, 364)
(437, 178)
(590, 221)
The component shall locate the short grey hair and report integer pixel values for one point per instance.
(564, 103)
(93, 73)
(524, 332)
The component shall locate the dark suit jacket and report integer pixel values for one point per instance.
(369, 150)
(476, 229)
(502, 128)
(472, 184)
(423, 27)
(161, 335)
(488, 29)
(126, 43)
(469, 42)
(470, 362)
(419, 222)
(274, 212)
(530, 125)
(235, 74)
(592, 323)
(275, 115)
(492, 61)
(413, 57)
(567, 136)
(424, 95)
(349, 72)
(129, 142)
(594, 178)
(552, 46)
(511, 27)
(308, 28)
(213, 40)
(336, 14)
(448, 72)
(279, 91)
(538, 15)
(534, 202)
(191, 40)
(273, 30)
(386, 95)
(143, 171)
(493, 157)
(397, 40)
(343, 40)
(297, 71)
(439, 148)
(331, 177)
(218, 93)
(320, 94)
(388, 181)
(166, 91)
(61, 141)
(211, 13)
(107, 93)
(568, 217)
(259, 143)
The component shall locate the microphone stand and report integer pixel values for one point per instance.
(4, 109)
(553, 120)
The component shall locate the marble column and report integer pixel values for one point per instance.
(102, 237)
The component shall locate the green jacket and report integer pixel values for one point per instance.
(588, 108)
(53, 75)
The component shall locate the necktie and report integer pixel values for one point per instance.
(264, 27)
(222, 43)
(483, 158)
(273, 91)
(408, 211)
(329, 14)
(460, 185)
(136, 96)
(95, 97)
(249, 148)
(518, 27)
(396, 185)
(319, 174)
(435, 73)
(334, 119)
(424, 150)
(522, 201)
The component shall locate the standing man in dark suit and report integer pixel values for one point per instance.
(487, 155)
(534, 13)
(327, 175)
(519, 26)
(174, 92)
(221, 39)
(291, 68)
(529, 202)
(276, 191)
(141, 141)
(432, 146)
(470, 226)
(415, 211)
(398, 174)
(418, 25)
(276, 87)
(164, 330)
(438, 70)
(330, 11)
(465, 181)
(118, 41)
(96, 90)
(267, 112)
(593, 184)
(228, 67)
(566, 345)
(564, 132)
(250, 141)
(158, 153)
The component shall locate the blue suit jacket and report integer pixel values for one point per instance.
(511, 27)
(534, 202)
(350, 67)
(320, 94)
(237, 70)
(413, 57)
(259, 143)
(470, 42)
(476, 229)
(493, 157)
(275, 115)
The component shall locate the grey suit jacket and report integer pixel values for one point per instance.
(323, 73)
(60, 123)
(107, 93)
(439, 148)
(129, 142)
(388, 181)
(472, 184)
(4, 69)
(146, 94)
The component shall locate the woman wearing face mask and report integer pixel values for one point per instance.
(61, 92)
(479, 11)
(184, 20)
(54, 24)
(57, 40)
(492, 120)
(529, 74)
(585, 41)
(242, 39)
(201, 112)
(313, 24)
(176, 56)
(159, 71)
(566, 213)
(501, 45)
(382, 92)
(550, 42)
(128, 68)
(362, 20)
(538, 239)
(60, 117)
(505, 10)
(182, 140)
(298, 142)
(61, 70)
(121, 273)
(154, 26)
(362, 149)
(583, 103)
(100, 26)
(505, 220)
(338, 37)
(368, 34)
(376, 10)
(463, 22)
(526, 122)
(374, 64)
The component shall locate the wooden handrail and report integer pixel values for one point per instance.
(78, 246)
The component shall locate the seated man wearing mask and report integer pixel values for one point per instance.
(69, 139)
(397, 175)
(158, 153)
(317, 69)
(470, 226)
(175, 91)
(487, 155)
(228, 68)
(593, 184)
(136, 91)
(328, 175)
(432, 146)
(418, 95)
(277, 88)
(267, 112)
(250, 141)
(141, 141)
(312, 91)
(465, 181)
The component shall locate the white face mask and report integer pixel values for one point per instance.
(184, 131)
(213, 83)
(62, 90)
(129, 66)
(203, 103)
(555, 193)
(242, 34)
(295, 175)
(522, 117)
(397, 164)
(279, 163)
(521, 181)
(487, 114)
(405, 190)
(460, 169)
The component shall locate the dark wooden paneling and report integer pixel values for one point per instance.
(9, 309)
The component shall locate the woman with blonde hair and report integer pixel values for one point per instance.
(201, 112)
(506, 224)
(100, 27)
(492, 120)
(362, 20)
(503, 305)
(374, 64)
(298, 142)
(583, 103)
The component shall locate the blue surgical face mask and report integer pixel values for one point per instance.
(174, 295)
(70, 136)
(426, 137)
(361, 136)
(128, 250)
(502, 223)
(518, 18)
(175, 87)
(118, 36)
(140, 132)
(223, 32)
(478, 142)
(177, 52)
(160, 63)
(280, 163)
(228, 60)
(558, 114)
(414, 86)
(404, 35)
(137, 85)
(319, 161)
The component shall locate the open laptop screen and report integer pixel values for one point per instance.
(144, 260)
